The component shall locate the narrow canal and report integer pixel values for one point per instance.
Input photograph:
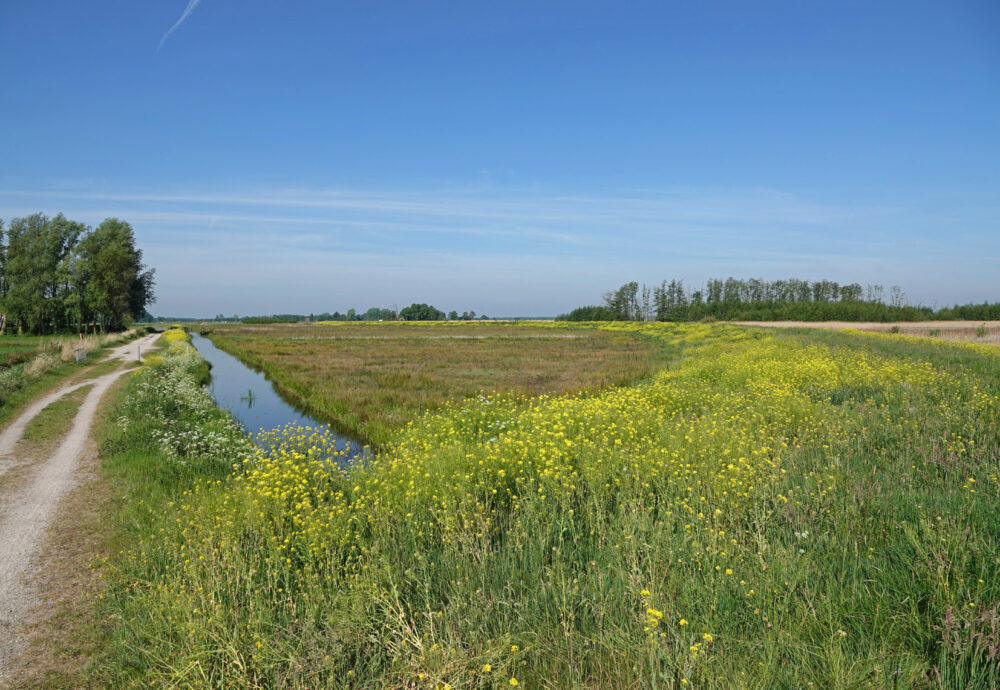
(252, 400)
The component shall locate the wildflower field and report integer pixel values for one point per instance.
(767, 509)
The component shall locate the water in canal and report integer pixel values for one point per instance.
(252, 400)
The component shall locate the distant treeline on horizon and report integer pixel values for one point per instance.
(734, 299)
(414, 312)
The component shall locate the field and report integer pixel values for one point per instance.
(981, 332)
(15, 349)
(770, 508)
(368, 380)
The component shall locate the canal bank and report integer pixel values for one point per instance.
(252, 400)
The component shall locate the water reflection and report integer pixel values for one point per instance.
(252, 400)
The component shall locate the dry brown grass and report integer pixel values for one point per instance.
(367, 380)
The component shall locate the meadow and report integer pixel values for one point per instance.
(368, 380)
(15, 349)
(975, 332)
(765, 509)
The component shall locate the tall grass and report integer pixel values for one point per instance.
(772, 510)
(369, 379)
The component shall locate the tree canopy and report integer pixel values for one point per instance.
(761, 300)
(421, 312)
(61, 275)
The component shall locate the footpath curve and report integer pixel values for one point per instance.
(26, 514)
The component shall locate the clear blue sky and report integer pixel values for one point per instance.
(511, 157)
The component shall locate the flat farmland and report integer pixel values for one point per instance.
(978, 332)
(368, 380)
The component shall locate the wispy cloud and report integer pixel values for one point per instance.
(667, 223)
(187, 11)
(512, 251)
(754, 206)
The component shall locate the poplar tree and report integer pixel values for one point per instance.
(56, 274)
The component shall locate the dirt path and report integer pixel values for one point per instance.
(26, 513)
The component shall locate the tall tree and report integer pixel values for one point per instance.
(624, 302)
(34, 250)
(119, 287)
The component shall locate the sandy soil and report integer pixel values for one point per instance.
(963, 331)
(26, 513)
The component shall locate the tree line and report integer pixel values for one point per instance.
(414, 312)
(734, 299)
(59, 275)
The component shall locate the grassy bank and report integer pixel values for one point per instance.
(48, 362)
(370, 379)
(772, 510)
(160, 437)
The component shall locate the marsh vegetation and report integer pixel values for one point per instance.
(369, 380)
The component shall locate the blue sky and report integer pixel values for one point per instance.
(515, 158)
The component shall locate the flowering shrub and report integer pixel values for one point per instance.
(174, 413)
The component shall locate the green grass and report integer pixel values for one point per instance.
(55, 419)
(15, 349)
(773, 509)
(18, 387)
(14, 402)
(100, 369)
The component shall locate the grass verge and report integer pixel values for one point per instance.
(21, 383)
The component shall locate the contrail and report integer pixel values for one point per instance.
(187, 10)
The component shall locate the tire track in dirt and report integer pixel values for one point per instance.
(26, 514)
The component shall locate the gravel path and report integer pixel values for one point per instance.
(25, 515)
